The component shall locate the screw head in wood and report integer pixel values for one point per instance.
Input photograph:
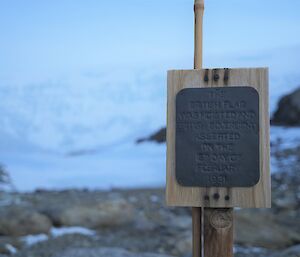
(216, 77)
(216, 196)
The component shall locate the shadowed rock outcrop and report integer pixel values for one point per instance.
(157, 137)
(288, 110)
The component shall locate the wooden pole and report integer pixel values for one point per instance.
(198, 50)
(218, 223)
(218, 232)
(197, 231)
(198, 45)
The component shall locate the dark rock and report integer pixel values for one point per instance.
(293, 251)
(20, 221)
(104, 252)
(9, 245)
(262, 228)
(240, 251)
(288, 110)
(158, 137)
(97, 215)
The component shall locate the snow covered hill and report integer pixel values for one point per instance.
(79, 130)
(82, 112)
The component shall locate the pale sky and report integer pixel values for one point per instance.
(49, 39)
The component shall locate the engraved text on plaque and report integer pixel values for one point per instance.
(217, 137)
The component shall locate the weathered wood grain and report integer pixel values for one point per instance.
(198, 44)
(197, 231)
(218, 232)
(198, 57)
(258, 196)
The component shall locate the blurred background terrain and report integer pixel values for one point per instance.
(83, 111)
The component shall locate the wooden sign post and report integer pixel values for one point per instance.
(217, 146)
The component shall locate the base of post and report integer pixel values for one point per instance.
(218, 232)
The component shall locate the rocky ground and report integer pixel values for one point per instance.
(131, 223)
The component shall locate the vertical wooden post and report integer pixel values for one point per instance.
(197, 231)
(218, 223)
(198, 45)
(218, 232)
(198, 50)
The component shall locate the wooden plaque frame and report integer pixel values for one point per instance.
(258, 196)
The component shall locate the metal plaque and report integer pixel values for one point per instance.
(217, 137)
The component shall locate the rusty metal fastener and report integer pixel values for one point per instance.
(216, 196)
(226, 75)
(206, 79)
(216, 77)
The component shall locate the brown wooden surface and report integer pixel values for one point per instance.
(198, 45)
(197, 229)
(258, 196)
(218, 232)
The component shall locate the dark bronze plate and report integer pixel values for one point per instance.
(217, 137)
